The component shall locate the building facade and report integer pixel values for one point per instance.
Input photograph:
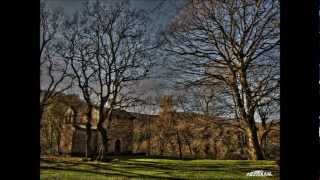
(73, 133)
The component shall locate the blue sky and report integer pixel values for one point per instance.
(160, 15)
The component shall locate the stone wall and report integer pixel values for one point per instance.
(122, 130)
(66, 141)
(73, 136)
(79, 142)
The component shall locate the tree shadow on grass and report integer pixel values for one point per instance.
(180, 166)
(101, 170)
(234, 167)
(160, 170)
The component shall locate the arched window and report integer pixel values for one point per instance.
(117, 146)
(69, 116)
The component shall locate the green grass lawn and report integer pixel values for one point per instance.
(151, 168)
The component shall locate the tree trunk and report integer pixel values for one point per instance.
(103, 133)
(41, 121)
(51, 139)
(242, 142)
(103, 130)
(190, 149)
(149, 139)
(265, 131)
(263, 139)
(188, 143)
(41, 115)
(161, 147)
(215, 150)
(173, 147)
(254, 148)
(138, 147)
(89, 133)
(149, 147)
(179, 145)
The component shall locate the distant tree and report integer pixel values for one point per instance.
(164, 124)
(168, 125)
(148, 106)
(51, 126)
(269, 121)
(232, 43)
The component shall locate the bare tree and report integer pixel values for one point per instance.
(268, 112)
(118, 44)
(77, 50)
(53, 71)
(170, 126)
(234, 43)
(166, 124)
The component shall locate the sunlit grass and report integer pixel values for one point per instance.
(153, 168)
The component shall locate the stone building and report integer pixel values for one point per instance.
(190, 134)
(73, 133)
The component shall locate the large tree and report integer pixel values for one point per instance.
(113, 41)
(76, 49)
(231, 43)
